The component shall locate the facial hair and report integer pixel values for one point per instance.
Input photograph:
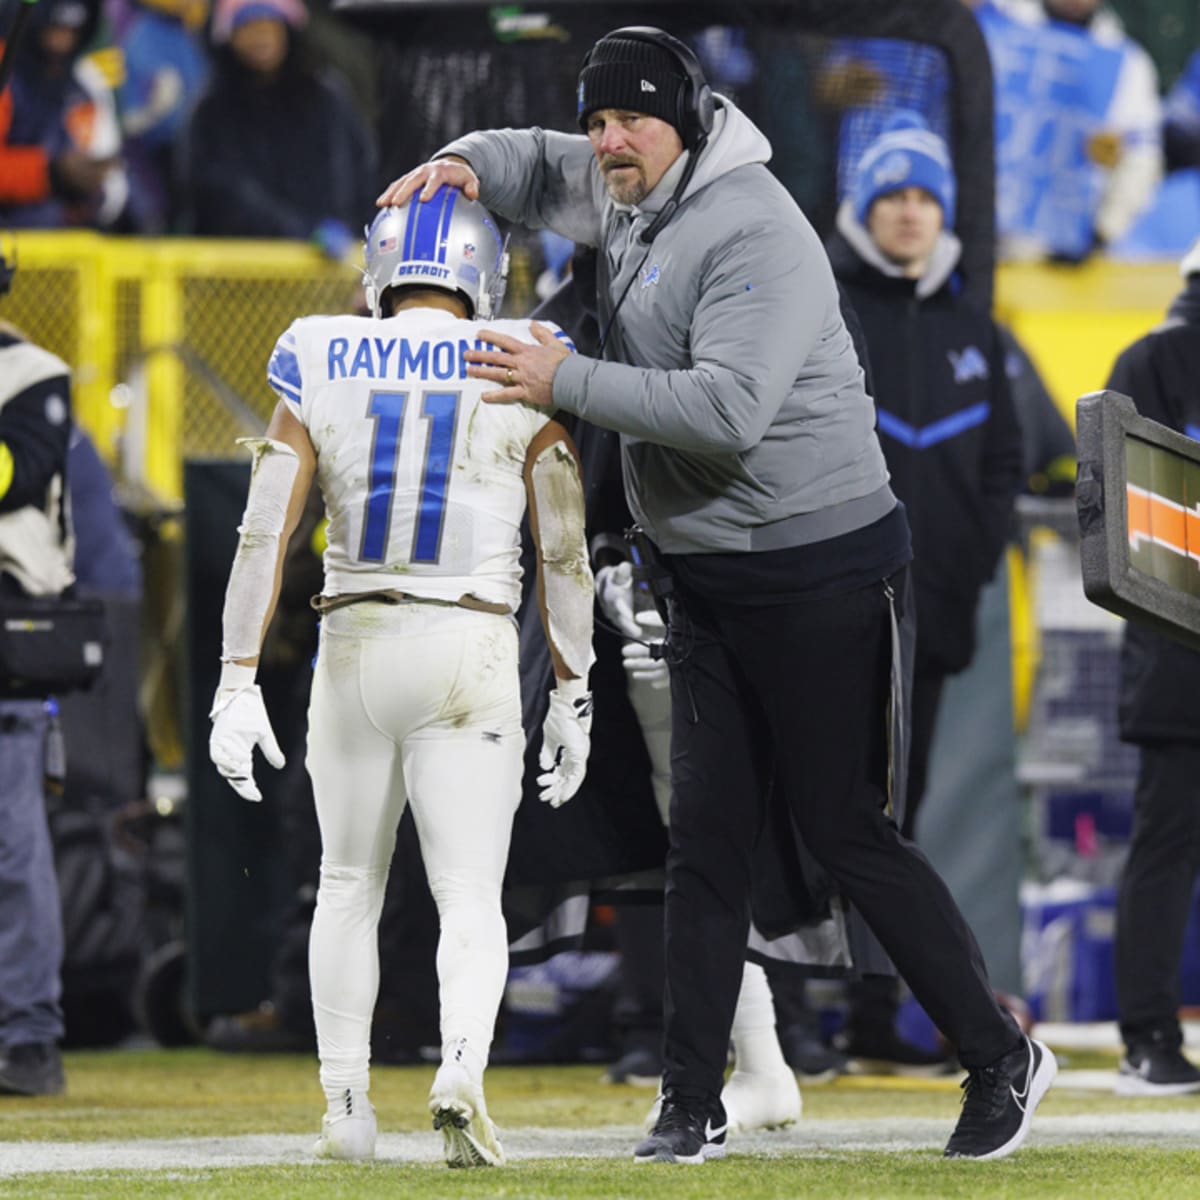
(625, 190)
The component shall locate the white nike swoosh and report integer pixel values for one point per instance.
(710, 1132)
(1021, 1097)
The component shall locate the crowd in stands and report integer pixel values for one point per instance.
(171, 116)
(161, 116)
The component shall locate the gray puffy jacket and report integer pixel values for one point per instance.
(744, 420)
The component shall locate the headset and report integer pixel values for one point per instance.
(694, 117)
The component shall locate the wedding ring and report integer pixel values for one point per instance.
(508, 376)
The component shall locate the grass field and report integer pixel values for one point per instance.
(192, 1123)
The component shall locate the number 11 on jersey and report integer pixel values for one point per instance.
(386, 409)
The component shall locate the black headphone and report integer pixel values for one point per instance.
(694, 117)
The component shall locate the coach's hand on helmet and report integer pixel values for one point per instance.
(240, 723)
(429, 177)
(566, 740)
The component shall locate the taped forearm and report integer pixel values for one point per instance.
(251, 591)
(563, 560)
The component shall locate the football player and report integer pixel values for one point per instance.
(416, 692)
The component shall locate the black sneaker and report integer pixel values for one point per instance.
(999, 1100)
(687, 1131)
(1157, 1067)
(31, 1069)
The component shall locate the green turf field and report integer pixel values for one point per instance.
(192, 1123)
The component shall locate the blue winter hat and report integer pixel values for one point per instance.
(906, 154)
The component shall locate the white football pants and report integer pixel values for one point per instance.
(414, 703)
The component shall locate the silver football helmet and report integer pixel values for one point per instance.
(447, 242)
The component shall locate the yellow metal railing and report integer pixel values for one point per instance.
(190, 323)
(184, 324)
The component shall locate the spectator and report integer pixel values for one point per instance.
(166, 66)
(1158, 714)
(1078, 143)
(34, 559)
(60, 143)
(275, 148)
(950, 436)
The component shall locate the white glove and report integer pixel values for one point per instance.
(637, 657)
(614, 592)
(566, 739)
(240, 723)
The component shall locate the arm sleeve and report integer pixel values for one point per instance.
(1003, 468)
(1048, 445)
(34, 431)
(539, 179)
(763, 303)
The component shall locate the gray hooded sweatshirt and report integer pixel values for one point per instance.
(745, 423)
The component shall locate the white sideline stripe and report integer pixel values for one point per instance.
(812, 1137)
(1098, 1035)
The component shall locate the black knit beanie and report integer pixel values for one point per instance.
(633, 75)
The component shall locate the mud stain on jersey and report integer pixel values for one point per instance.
(483, 427)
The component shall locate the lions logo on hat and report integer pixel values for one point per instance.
(895, 168)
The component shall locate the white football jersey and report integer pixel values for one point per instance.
(422, 479)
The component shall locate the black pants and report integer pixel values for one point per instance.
(926, 699)
(875, 999)
(796, 693)
(1156, 890)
